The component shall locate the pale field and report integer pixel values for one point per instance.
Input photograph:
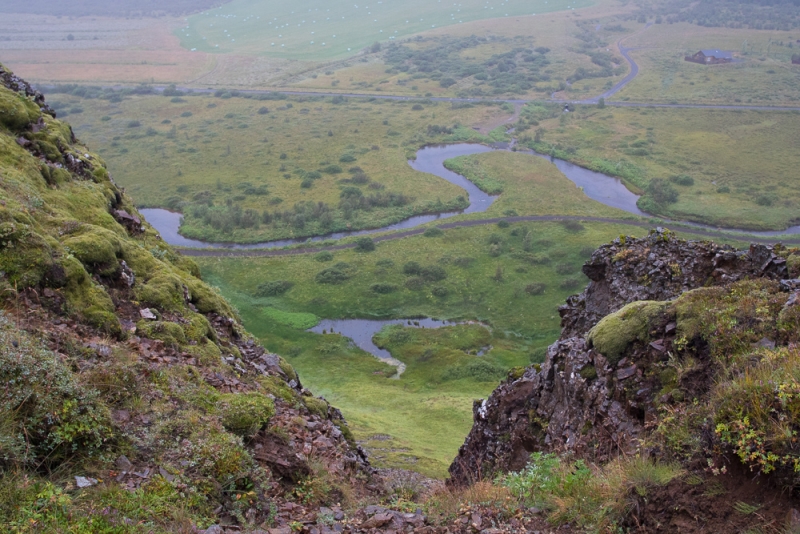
(104, 50)
(765, 74)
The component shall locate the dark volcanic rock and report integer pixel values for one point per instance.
(579, 400)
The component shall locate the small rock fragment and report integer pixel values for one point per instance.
(85, 482)
(147, 313)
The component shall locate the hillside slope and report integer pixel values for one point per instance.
(120, 366)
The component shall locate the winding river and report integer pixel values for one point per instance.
(600, 187)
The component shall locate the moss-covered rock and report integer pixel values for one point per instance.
(166, 331)
(316, 406)
(17, 111)
(616, 332)
(96, 248)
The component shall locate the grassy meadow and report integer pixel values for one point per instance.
(741, 165)
(420, 420)
(762, 75)
(295, 158)
(330, 29)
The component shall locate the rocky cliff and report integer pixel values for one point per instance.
(653, 330)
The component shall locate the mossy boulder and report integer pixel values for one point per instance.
(218, 454)
(166, 331)
(244, 414)
(17, 111)
(316, 406)
(164, 291)
(95, 247)
(616, 332)
(275, 386)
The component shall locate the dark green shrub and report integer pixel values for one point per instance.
(186, 114)
(572, 226)
(347, 158)
(411, 268)
(382, 288)
(433, 232)
(365, 244)
(134, 124)
(433, 273)
(503, 224)
(308, 183)
(682, 179)
(323, 256)
(495, 239)
(439, 291)
(273, 288)
(385, 263)
(332, 276)
(331, 169)
(765, 200)
(417, 107)
(662, 192)
(263, 110)
(723, 189)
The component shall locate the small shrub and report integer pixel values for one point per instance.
(134, 124)
(439, 291)
(307, 183)
(433, 232)
(536, 288)
(682, 179)
(723, 189)
(417, 107)
(385, 263)
(411, 268)
(186, 114)
(415, 283)
(244, 414)
(765, 200)
(331, 169)
(332, 275)
(273, 288)
(572, 226)
(347, 158)
(382, 288)
(323, 256)
(503, 224)
(263, 110)
(433, 273)
(365, 244)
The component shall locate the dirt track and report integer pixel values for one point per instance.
(233, 253)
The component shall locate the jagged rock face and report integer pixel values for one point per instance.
(581, 400)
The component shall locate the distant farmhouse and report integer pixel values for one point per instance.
(711, 57)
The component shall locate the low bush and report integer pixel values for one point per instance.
(323, 256)
(244, 414)
(415, 283)
(383, 288)
(411, 268)
(682, 179)
(433, 232)
(365, 244)
(273, 288)
(536, 288)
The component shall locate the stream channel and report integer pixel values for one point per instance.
(605, 189)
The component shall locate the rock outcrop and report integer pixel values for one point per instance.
(601, 381)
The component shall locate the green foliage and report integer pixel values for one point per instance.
(682, 179)
(323, 256)
(383, 288)
(46, 414)
(365, 244)
(244, 414)
(273, 288)
(615, 333)
(433, 231)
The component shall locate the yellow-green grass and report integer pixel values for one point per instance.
(424, 416)
(751, 153)
(218, 144)
(530, 185)
(763, 75)
(324, 29)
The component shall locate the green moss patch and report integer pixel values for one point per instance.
(616, 332)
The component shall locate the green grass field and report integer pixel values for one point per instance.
(324, 30)
(742, 163)
(763, 73)
(224, 154)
